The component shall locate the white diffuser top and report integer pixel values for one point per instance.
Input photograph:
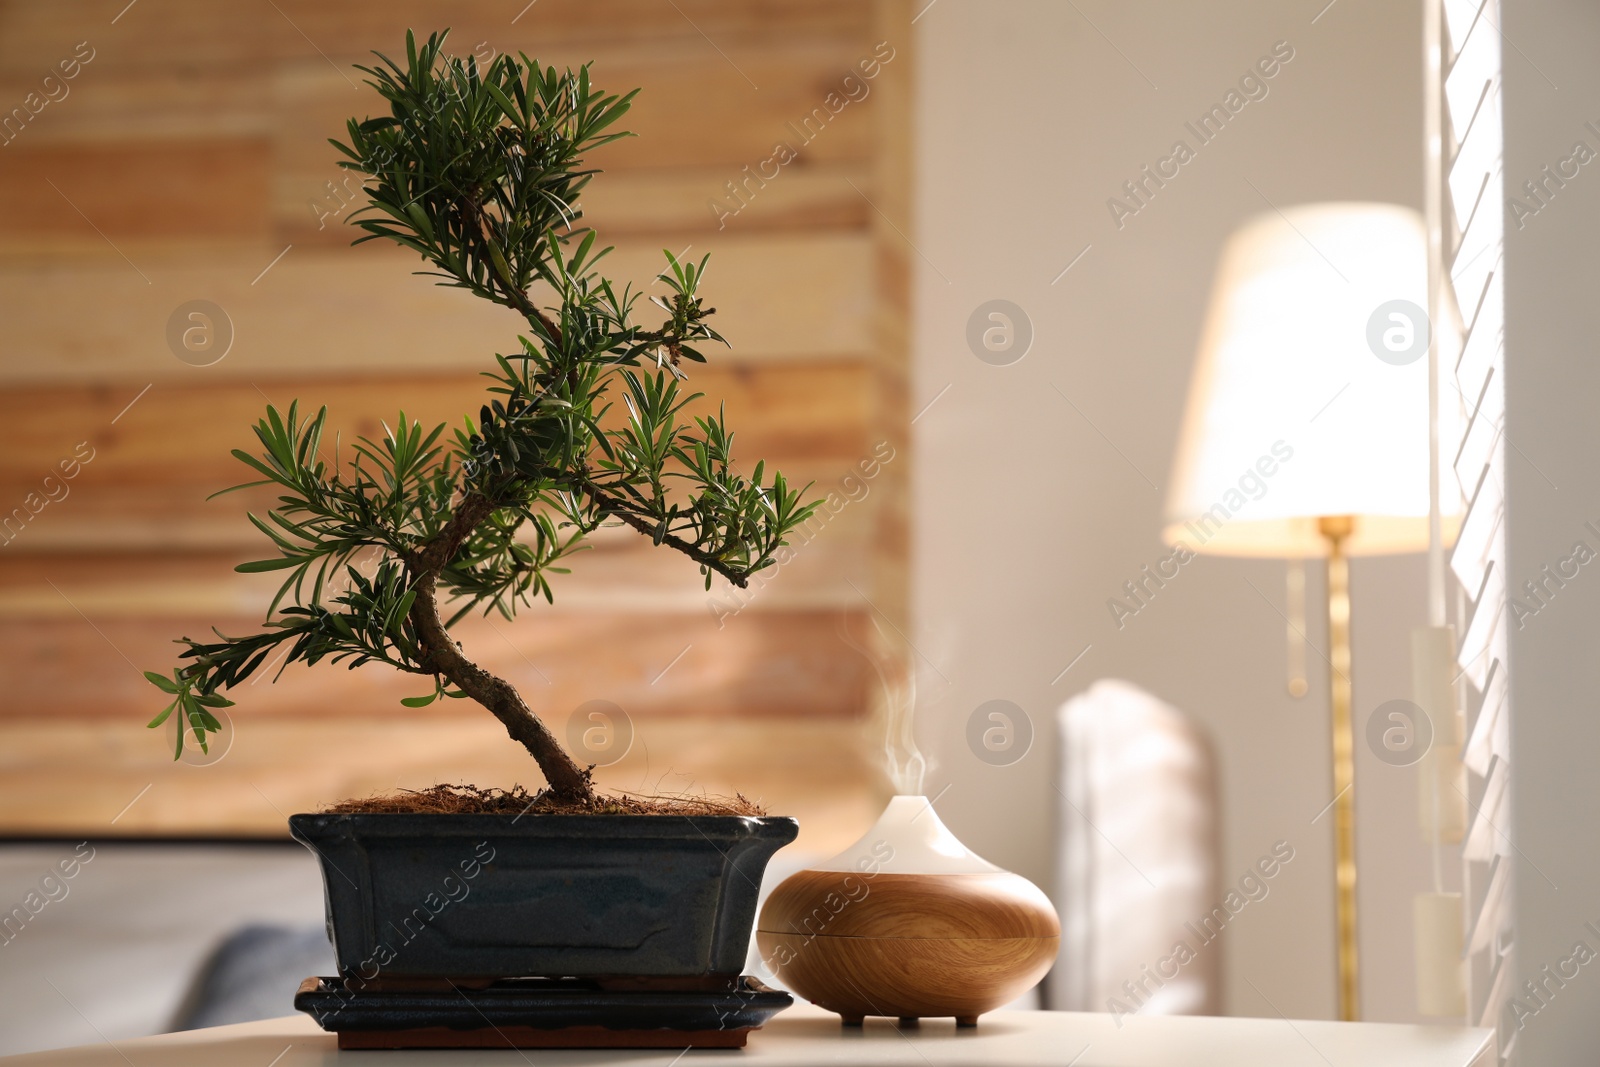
(909, 838)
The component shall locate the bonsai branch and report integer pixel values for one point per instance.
(647, 524)
(515, 298)
(518, 301)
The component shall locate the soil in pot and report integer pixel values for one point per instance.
(471, 800)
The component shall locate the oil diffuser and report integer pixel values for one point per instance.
(908, 922)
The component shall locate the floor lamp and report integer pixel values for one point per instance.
(1306, 436)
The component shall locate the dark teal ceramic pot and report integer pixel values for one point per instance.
(495, 896)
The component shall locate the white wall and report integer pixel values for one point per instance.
(1027, 519)
(1552, 88)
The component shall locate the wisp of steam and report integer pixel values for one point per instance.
(902, 760)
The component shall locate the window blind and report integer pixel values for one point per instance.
(1469, 220)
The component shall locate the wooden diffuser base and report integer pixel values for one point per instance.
(869, 941)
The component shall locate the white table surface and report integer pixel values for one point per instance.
(805, 1036)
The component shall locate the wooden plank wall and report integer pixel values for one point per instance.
(186, 159)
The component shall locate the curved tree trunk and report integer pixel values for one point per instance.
(567, 780)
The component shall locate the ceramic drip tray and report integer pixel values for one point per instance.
(541, 1013)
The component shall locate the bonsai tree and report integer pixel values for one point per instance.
(478, 171)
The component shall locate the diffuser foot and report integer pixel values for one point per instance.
(851, 1020)
(966, 1020)
(909, 1020)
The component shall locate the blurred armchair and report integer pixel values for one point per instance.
(1138, 858)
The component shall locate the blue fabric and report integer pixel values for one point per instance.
(253, 974)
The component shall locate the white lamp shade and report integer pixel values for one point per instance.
(1309, 396)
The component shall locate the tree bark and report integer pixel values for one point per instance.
(566, 779)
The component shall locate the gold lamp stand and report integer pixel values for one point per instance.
(1336, 530)
(1369, 486)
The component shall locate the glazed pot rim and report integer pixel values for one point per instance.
(450, 823)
